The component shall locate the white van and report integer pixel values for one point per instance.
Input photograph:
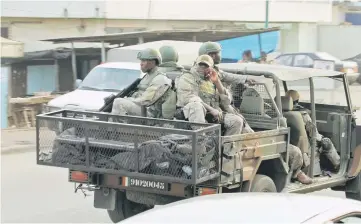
(101, 82)
(122, 68)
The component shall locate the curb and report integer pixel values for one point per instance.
(17, 149)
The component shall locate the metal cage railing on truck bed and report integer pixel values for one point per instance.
(137, 147)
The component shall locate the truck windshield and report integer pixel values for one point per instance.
(109, 79)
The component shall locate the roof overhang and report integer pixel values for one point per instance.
(133, 38)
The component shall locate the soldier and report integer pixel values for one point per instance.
(295, 162)
(151, 90)
(169, 59)
(200, 93)
(172, 70)
(327, 147)
(213, 49)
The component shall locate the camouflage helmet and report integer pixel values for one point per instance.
(150, 54)
(205, 59)
(169, 54)
(293, 94)
(209, 47)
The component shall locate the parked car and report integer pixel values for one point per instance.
(306, 59)
(254, 208)
(356, 59)
(102, 81)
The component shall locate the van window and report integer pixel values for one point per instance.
(109, 79)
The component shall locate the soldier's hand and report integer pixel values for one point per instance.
(251, 81)
(212, 75)
(215, 113)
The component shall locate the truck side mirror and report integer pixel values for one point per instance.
(78, 82)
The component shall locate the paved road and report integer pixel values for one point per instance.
(36, 194)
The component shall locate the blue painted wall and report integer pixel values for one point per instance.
(41, 78)
(232, 49)
(354, 18)
(4, 96)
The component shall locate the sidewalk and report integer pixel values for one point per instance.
(17, 140)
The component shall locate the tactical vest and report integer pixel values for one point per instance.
(169, 106)
(145, 82)
(208, 93)
(206, 90)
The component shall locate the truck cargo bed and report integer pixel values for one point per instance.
(138, 147)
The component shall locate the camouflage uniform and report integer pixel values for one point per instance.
(226, 78)
(326, 146)
(193, 89)
(170, 66)
(150, 93)
(295, 160)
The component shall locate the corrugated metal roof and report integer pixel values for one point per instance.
(132, 38)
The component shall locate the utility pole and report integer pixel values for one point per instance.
(266, 21)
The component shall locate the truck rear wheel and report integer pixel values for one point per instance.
(263, 183)
(125, 208)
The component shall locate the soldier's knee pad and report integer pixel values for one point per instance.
(195, 105)
(238, 121)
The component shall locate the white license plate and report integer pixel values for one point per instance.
(156, 185)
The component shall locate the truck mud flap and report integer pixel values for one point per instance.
(358, 135)
(105, 198)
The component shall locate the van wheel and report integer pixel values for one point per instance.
(125, 208)
(263, 183)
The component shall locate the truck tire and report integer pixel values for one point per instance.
(263, 183)
(125, 208)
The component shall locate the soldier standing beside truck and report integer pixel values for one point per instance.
(150, 91)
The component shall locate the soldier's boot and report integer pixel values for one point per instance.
(329, 150)
(303, 178)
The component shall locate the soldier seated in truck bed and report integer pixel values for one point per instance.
(327, 149)
(197, 95)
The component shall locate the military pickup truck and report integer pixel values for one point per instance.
(133, 163)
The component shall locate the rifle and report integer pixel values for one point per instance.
(128, 91)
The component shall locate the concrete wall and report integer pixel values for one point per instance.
(340, 41)
(53, 9)
(226, 10)
(280, 11)
(300, 37)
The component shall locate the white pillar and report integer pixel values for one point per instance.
(301, 37)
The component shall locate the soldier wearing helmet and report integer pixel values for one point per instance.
(325, 144)
(202, 98)
(151, 90)
(169, 59)
(172, 70)
(213, 49)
